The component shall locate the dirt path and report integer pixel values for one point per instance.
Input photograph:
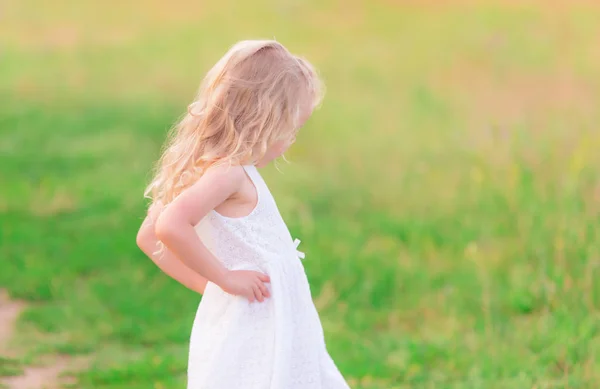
(45, 376)
(9, 312)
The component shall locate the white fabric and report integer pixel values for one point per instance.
(276, 344)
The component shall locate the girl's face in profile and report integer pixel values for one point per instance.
(280, 147)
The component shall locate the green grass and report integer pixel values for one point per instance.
(446, 194)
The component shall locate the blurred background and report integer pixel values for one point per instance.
(447, 193)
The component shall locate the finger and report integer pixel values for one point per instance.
(258, 293)
(264, 290)
(250, 296)
(264, 277)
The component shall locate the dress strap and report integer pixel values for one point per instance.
(254, 176)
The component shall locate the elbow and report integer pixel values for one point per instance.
(141, 240)
(144, 239)
(170, 228)
(164, 229)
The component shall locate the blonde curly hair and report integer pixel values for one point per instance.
(249, 100)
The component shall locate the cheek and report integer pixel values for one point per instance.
(280, 148)
(285, 146)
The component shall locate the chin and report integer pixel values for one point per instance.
(265, 161)
(261, 164)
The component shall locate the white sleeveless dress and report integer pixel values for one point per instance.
(276, 344)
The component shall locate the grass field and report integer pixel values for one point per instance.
(447, 194)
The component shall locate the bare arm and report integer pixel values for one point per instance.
(167, 261)
(175, 228)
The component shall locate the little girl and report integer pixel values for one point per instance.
(214, 226)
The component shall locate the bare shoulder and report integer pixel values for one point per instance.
(228, 175)
(225, 180)
(215, 186)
